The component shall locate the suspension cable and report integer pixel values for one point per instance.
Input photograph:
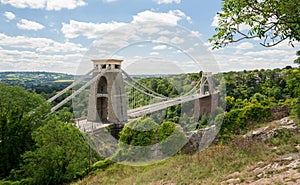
(138, 89)
(191, 91)
(149, 90)
(70, 86)
(94, 79)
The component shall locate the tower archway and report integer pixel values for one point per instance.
(102, 85)
(106, 97)
(102, 100)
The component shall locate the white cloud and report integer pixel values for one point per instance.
(190, 50)
(243, 27)
(32, 61)
(215, 21)
(89, 30)
(43, 45)
(154, 53)
(45, 4)
(29, 25)
(160, 47)
(263, 58)
(272, 53)
(195, 33)
(170, 18)
(167, 1)
(245, 45)
(39, 54)
(177, 40)
(68, 4)
(9, 15)
(286, 45)
(154, 66)
(162, 39)
(109, 1)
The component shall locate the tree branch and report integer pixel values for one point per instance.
(274, 44)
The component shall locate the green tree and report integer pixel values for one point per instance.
(60, 156)
(272, 21)
(171, 138)
(293, 87)
(229, 102)
(293, 84)
(136, 140)
(21, 113)
(139, 132)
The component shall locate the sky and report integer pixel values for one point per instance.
(151, 36)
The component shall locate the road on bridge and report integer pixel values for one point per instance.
(142, 111)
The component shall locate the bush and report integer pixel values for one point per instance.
(59, 157)
(295, 105)
(238, 121)
(165, 130)
(136, 140)
(101, 164)
(171, 138)
(139, 132)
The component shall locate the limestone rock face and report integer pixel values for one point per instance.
(199, 139)
(267, 132)
(279, 112)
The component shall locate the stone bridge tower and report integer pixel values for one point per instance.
(210, 99)
(107, 100)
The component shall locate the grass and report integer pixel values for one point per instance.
(210, 166)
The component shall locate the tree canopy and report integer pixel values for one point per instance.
(21, 113)
(271, 21)
(60, 155)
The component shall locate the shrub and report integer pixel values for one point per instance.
(138, 137)
(171, 138)
(101, 164)
(136, 140)
(240, 120)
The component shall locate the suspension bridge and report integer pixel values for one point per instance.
(108, 103)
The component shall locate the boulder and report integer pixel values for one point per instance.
(199, 139)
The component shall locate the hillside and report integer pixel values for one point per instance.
(243, 153)
(32, 79)
(269, 154)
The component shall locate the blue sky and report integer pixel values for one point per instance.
(58, 36)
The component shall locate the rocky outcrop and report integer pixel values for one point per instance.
(283, 170)
(278, 112)
(272, 130)
(199, 139)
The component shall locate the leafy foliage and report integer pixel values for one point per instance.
(170, 137)
(21, 113)
(140, 135)
(293, 87)
(60, 155)
(272, 21)
(297, 61)
(136, 139)
(56, 152)
(139, 132)
(251, 94)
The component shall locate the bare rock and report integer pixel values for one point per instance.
(232, 181)
(199, 139)
(265, 133)
(278, 112)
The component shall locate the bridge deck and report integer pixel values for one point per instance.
(88, 126)
(142, 111)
